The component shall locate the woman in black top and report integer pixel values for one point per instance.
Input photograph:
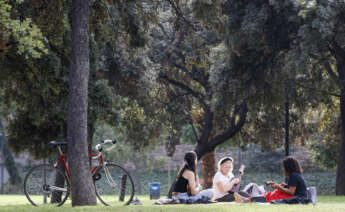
(294, 186)
(187, 179)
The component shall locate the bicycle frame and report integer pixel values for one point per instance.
(63, 161)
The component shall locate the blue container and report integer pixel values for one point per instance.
(155, 190)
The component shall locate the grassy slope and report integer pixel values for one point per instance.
(17, 203)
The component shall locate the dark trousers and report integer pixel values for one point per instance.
(259, 199)
(230, 197)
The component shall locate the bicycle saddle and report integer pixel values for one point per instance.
(55, 143)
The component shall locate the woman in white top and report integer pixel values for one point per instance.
(224, 181)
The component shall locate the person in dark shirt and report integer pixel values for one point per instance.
(187, 179)
(294, 186)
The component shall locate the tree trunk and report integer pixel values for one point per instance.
(82, 188)
(8, 159)
(340, 181)
(208, 169)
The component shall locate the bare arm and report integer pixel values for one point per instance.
(291, 190)
(194, 186)
(222, 187)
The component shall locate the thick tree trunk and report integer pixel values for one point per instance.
(208, 169)
(340, 181)
(82, 188)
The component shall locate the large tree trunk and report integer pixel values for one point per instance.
(340, 181)
(208, 169)
(82, 188)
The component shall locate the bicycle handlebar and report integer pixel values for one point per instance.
(99, 147)
(108, 141)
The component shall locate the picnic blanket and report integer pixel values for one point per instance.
(183, 198)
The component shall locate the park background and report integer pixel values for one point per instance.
(156, 166)
(263, 78)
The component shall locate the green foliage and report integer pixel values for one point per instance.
(188, 135)
(8, 160)
(23, 31)
(39, 87)
(325, 144)
(40, 107)
(318, 52)
(325, 152)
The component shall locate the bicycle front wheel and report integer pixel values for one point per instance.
(114, 185)
(46, 185)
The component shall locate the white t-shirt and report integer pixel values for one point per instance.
(219, 177)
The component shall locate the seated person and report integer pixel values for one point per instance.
(224, 181)
(294, 187)
(187, 180)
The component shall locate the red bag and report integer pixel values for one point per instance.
(277, 195)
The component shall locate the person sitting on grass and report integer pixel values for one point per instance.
(187, 180)
(224, 182)
(294, 189)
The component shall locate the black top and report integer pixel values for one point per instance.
(296, 180)
(181, 185)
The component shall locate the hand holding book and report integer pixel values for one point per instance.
(237, 180)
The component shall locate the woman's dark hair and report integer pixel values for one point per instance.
(189, 163)
(291, 165)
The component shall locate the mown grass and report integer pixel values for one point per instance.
(17, 203)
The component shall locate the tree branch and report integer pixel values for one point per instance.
(240, 110)
(208, 118)
(331, 73)
(194, 130)
(208, 126)
(191, 75)
(328, 67)
(317, 90)
(184, 87)
(180, 14)
(188, 22)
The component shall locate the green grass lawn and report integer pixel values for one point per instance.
(17, 203)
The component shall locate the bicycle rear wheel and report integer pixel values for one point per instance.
(114, 185)
(46, 185)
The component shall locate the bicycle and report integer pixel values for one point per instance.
(49, 184)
